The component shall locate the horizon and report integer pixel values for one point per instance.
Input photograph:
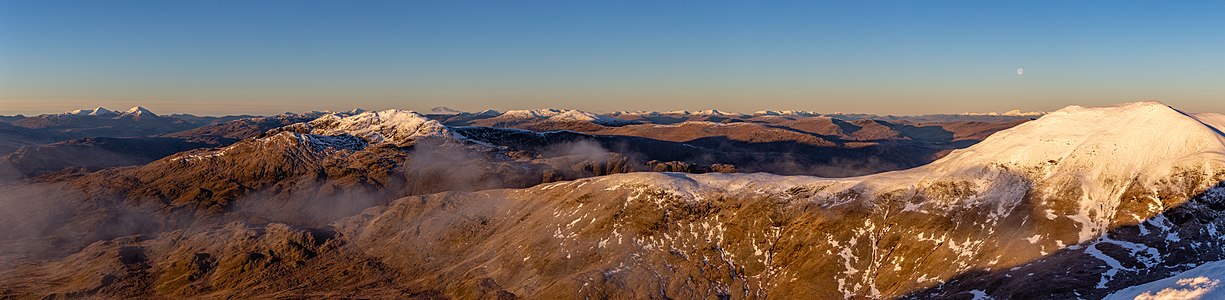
(889, 58)
(442, 110)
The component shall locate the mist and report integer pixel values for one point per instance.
(40, 221)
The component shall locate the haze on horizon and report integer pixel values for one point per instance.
(891, 57)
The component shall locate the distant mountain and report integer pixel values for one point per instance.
(241, 128)
(94, 112)
(98, 122)
(208, 120)
(545, 117)
(797, 145)
(90, 154)
(795, 142)
(41, 157)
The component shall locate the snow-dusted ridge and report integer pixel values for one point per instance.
(561, 115)
(352, 130)
(1011, 113)
(99, 111)
(391, 126)
(103, 112)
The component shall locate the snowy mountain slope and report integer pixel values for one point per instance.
(1091, 142)
(137, 111)
(383, 127)
(1211, 119)
(1202, 282)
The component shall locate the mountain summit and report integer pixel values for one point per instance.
(391, 126)
(92, 112)
(1136, 139)
(138, 111)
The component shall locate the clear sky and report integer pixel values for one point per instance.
(889, 57)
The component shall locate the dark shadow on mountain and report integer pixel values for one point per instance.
(926, 133)
(789, 158)
(1072, 273)
(91, 154)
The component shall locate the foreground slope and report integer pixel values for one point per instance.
(1202, 282)
(1078, 203)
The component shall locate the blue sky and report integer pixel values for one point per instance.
(895, 57)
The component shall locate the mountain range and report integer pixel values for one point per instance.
(1079, 203)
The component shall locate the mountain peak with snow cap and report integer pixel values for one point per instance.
(388, 126)
(99, 111)
(562, 115)
(1145, 139)
(138, 111)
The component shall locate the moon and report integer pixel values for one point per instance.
(1020, 71)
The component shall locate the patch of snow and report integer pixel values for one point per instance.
(1034, 239)
(979, 295)
(1202, 282)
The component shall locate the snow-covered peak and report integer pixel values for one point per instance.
(802, 113)
(99, 111)
(1144, 139)
(581, 116)
(531, 114)
(574, 115)
(138, 111)
(388, 126)
(715, 112)
(635, 113)
(559, 115)
(488, 112)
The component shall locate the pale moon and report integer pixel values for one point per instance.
(1020, 71)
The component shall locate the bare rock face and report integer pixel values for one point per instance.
(683, 167)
